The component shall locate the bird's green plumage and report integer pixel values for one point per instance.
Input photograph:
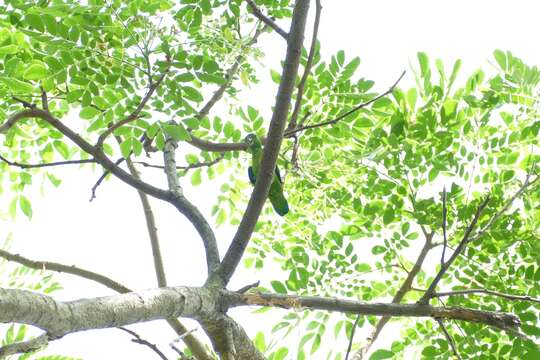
(275, 195)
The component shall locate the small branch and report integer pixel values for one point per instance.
(194, 215)
(307, 69)
(44, 99)
(102, 177)
(463, 243)
(405, 287)
(24, 103)
(272, 145)
(151, 229)
(290, 133)
(258, 13)
(449, 339)
(139, 340)
(135, 114)
(185, 168)
(68, 269)
(248, 287)
(444, 212)
(509, 203)
(24, 347)
(57, 163)
(352, 337)
(488, 292)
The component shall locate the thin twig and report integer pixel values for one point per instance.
(444, 212)
(344, 115)
(185, 168)
(265, 19)
(139, 340)
(489, 292)
(57, 163)
(248, 287)
(463, 243)
(68, 269)
(25, 103)
(135, 114)
(102, 177)
(44, 99)
(449, 339)
(352, 337)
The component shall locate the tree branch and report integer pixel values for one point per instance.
(444, 213)
(56, 163)
(192, 342)
(139, 340)
(271, 23)
(273, 143)
(449, 339)
(205, 305)
(488, 292)
(398, 297)
(23, 347)
(307, 69)
(209, 240)
(290, 133)
(463, 243)
(179, 202)
(499, 320)
(68, 269)
(185, 168)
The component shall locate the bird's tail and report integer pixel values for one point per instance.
(280, 204)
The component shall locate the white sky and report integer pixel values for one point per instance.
(109, 235)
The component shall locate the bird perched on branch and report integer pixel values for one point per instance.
(276, 196)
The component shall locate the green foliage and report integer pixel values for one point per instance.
(363, 189)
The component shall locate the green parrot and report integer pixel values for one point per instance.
(276, 196)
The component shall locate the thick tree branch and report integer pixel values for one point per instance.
(487, 292)
(56, 163)
(499, 320)
(59, 318)
(307, 68)
(135, 114)
(265, 19)
(290, 133)
(273, 143)
(462, 244)
(193, 343)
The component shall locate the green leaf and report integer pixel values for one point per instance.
(196, 177)
(25, 206)
(500, 57)
(278, 287)
(9, 49)
(18, 86)
(381, 354)
(35, 72)
(126, 146)
(88, 113)
(177, 132)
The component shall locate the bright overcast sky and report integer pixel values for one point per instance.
(109, 234)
